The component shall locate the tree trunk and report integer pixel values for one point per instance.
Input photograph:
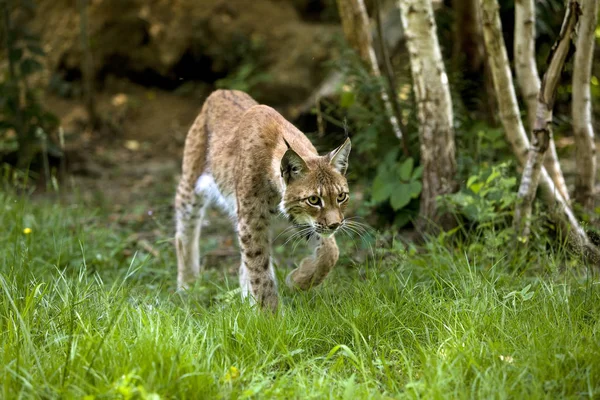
(87, 67)
(585, 146)
(542, 128)
(468, 52)
(389, 72)
(515, 133)
(436, 130)
(524, 49)
(529, 82)
(468, 60)
(355, 23)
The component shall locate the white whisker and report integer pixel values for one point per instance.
(361, 230)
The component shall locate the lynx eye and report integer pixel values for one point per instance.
(314, 201)
(342, 197)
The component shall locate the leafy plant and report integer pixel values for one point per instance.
(397, 181)
(489, 195)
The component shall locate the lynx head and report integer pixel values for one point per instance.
(316, 190)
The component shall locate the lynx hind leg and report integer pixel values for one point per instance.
(189, 212)
(189, 204)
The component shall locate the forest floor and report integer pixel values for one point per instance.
(88, 309)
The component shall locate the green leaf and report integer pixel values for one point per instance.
(476, 187)
(417, 172)
(382, 187)
(471, 180)
(402, 219)
(414, 188)
(381, 193)
(347, 99)
(400, 197)
(495, 174)
(406, 169)
(389, 159)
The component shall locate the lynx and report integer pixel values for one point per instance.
(254, 164)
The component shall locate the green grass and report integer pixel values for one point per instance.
(85, 312)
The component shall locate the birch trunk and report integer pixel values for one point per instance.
(529, 82)
(355, 24)
(585, 146)
(542, 128)
(524, 49)
(436, 130)
(515, 132)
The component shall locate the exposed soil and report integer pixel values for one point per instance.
(136, 151)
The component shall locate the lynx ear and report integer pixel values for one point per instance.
(292, 166)
(338, 158)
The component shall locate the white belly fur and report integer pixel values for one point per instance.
(207, 187)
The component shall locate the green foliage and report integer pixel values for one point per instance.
(82, 318)
(488, 197)
(396, 183)
(484, 208)
(24, 123)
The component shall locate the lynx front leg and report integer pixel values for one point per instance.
(313, 270)
(189, 212)
(257, 277)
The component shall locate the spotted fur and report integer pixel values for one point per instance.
(251, 162)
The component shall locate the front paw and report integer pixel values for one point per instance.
(183, 285)
(270, 302)
(186, 282)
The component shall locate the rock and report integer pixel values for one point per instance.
(166, 43)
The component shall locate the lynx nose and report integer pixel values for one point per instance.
(333, 226)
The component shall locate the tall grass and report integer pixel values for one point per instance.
(85, 315)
